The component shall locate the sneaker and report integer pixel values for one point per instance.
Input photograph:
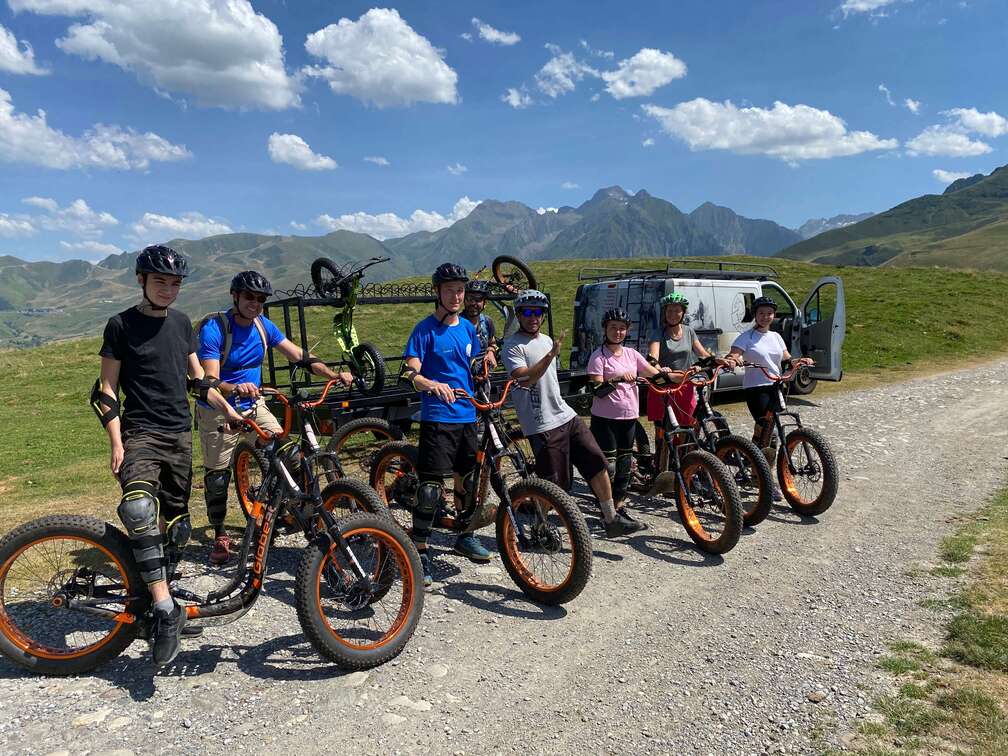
(775, 494)
(468, 545)
(622, 525)
(221, 550)
(425, 565)
(167, 632)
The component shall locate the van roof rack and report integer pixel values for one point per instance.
(681, 267)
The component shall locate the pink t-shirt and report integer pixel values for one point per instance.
(623, 403)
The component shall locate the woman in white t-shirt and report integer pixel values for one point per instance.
(763, 347)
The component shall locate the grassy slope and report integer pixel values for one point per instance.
(56, 453)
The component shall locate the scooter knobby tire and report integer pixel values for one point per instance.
(32, 653)
(351, 653)
(532, 585)
(368, 354)
(828, 469)
(732, 508)
(498, 265)
(324, 265)
(754, 509)
(402, 457)
(248, 469)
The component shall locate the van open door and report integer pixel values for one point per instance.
(823, 324)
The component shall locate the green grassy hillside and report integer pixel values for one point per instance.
(56, 455)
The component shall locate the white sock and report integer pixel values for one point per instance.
(608, 510)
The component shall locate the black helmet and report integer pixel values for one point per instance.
(763, 302)
(161, 259)
(251, 280)
(617, 313)
(482, 288)
(449, 272)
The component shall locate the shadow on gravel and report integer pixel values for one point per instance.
(511, 603)
(300, 662)
(783, 513)
(673, 550)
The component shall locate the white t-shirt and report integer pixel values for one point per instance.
(766, 349)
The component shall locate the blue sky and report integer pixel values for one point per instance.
(192, 117)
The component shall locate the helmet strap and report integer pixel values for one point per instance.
(148, 305)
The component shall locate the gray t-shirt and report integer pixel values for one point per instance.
(677, 355)
(542, 407)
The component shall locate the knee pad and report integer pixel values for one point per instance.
(138, 511)
(178, 531)
(429, 496)
(215, 485)
(624, 463)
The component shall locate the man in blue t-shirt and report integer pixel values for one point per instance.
(240, 374)
(437, 360)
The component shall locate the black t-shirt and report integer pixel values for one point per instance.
(154, 353)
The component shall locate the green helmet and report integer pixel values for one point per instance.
(674, 298)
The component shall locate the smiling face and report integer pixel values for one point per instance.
(674, 314)
(250, 304)
(160, 289)
(474, 304)
(764, 317)
(451, 295)
(530, 319)
(616, 331)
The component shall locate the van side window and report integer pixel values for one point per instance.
(822, 306)
(744, 302)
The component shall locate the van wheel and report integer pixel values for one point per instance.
(803, 383)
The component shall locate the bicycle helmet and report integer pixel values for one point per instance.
(446, 272)
(531, 298)
(253, 281)
(763, 302)
(158, 258)
(480, 288)
(674, 298)
(617, 313)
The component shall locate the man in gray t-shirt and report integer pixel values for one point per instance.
(554, 430)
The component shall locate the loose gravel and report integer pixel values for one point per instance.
(770, 649)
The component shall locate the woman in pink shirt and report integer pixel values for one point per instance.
(612, 374)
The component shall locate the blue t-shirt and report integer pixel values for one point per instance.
(444, 353)
(245, 359)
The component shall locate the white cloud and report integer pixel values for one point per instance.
(912, 105)
(569, 185)
(381, 60)
(15, 226)
(946, 141)
(293, 150)
(788, 132)
(562, 72)
(390, 225)
(30, 139)
(888, 95)
(642, 74)
(649, 142)
(378, 160)
(77, 217)
(970, 119)
(191, 225)
(947, 177)
(544, 210)
(17, 58)
(871, 7)
(220, 52)
(457, 169)
(597, 53)
(495, 36)
(95, 250)
(517, 98)
(466, 36)
(298, 226)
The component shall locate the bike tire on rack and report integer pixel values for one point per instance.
(710, 468)
(357, 441)
(322, 579)
(545, 539)
(374, 374)
(319, 268)
(518, 279)
(96, 544)
(828, 472)
(737, 452)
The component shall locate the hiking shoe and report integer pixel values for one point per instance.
(622, 525)
(775, 494)
(167, 632)
(221, 550)
(468, 545)
(425, 565)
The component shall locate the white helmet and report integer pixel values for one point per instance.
(531, 298)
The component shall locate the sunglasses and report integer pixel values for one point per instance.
(260, 298)
(531, 312)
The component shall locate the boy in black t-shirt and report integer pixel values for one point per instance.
(149, 351)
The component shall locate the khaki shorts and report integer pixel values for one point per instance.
(218, 447)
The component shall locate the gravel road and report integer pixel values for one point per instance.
(768, 650)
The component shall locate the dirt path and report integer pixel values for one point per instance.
(666, 650)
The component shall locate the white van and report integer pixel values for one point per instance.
(720, 298)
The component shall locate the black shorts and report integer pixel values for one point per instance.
(165, 461)
(759, 399)
(446, 449)
(614, 435)
(556, 448)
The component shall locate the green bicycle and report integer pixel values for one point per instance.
(342, 286)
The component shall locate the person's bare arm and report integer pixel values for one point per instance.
(442, 391)
(213, 397)
(528, 376)
(294, 353)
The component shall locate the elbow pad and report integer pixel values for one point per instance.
(601, 389)
(308, 361)
(407, 375)
(653, 361)
(104, 405)
(707, 362)
(200, 387)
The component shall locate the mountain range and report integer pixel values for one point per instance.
(40, 301)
